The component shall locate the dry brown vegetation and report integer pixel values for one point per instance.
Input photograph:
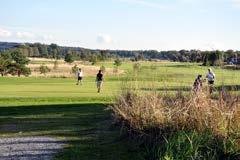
(65, 69)
(170, 113)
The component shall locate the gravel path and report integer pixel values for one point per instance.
(29, 148)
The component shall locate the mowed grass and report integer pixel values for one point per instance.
(34, 90)
(176, 73)
(77, 114)
(59, 108)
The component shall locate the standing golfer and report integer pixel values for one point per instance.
(211, 78)
(99, 81)
(79, 76)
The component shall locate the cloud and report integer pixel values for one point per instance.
(25, 35)
(102, 38)
(145, 3)
(18, 35)
(5, 33)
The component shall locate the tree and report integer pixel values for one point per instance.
(43, 50)
(69, 58)
(213, 58)
(5, 61)
(19, 58)
(93, 59)
(117, 63)
(19, 69)
(44, 69)
(36, 52)
(14, 63)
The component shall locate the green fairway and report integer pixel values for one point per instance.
(23, 91)
(77, 114)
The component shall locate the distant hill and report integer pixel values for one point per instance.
(8, 45)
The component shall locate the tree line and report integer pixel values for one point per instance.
(71, 54)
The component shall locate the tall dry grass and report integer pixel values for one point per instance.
(167, 114)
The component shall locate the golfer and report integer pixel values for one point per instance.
(99, 81)
(211, 79)
(197, 85)
(79, 76)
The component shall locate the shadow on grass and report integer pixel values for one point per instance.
(183, 88)
(86, 129)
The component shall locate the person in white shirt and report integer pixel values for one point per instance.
(79, 76)
(211, 78)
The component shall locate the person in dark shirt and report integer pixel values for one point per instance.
(99, 81)
(197, 85)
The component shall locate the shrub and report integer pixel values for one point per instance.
(69, 58)
(117, 62)
(44, 69)
(74, 69)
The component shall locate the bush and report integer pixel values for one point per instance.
(69, 58)
(117, 62)
(74, 69)
(44, 69)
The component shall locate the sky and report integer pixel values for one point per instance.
(123, 24)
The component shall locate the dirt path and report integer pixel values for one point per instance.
(29, 148)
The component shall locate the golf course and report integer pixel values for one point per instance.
(80, 117)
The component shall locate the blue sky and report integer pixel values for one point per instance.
(123, 24)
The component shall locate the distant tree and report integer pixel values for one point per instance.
(103, 55)
(220, 58)
(18, 64)
(53, 46)
(117, 63)
(213, 58)
(69, 58)
(43, 50)
(93, 59)
(44, 69)
(30, 52)
(36, 52)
